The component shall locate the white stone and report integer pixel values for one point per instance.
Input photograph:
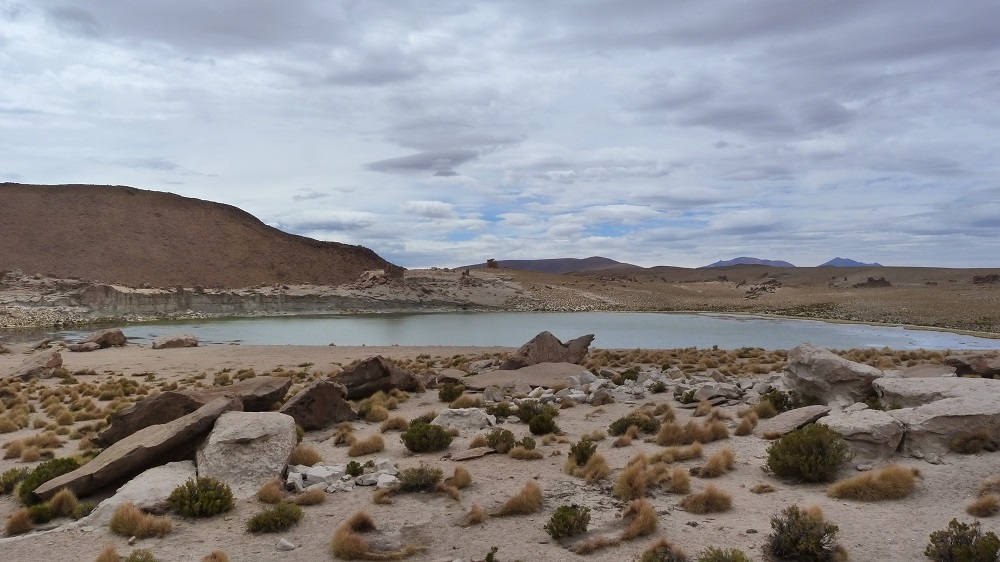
(246, 449)
(465, 418)
(284, 546)
(149, 491)
(386, 481)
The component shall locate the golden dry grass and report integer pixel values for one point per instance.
(128, 520)
(527, 500)
(631, 483)
(990, 486)
(395, 423)
(892, 482)
(310, 497)
(348, 543)
(984, 506)
(475, 516)
(747, 424)
(478, 441)
(640, 519)
(677, 453)
(372, 444)
(594, 544)
(344, 435)
(64, 503)
(109, 554)
(383, 496)
(672, 433)
(377, 414)
(461, 478)
(662, 549)
(765, 409)
(216, 556)
(467, 401)
(304, 454)
(709, 500)
(596, 435)
(520, 453)
(718, 464)
(596, 469)
(19, 522)
(762, 488)
(271, 491)
(678, 481)
(703, 408)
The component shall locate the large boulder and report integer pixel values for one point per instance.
(246, 449)
(372, 375)
(149, 492)
(983, 364)
(256, 394)
(464, 418)
(175, 341)
(872, 435)
(819, 373)
(111, 337)
(917, 391)
(787, 422)
(38, 366)
(546, 348)
(319, 405)
(146, 448)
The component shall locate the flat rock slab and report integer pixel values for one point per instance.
(465, 418)
(175, 341)
(106, 338)
(927, 370)
(149, 492)
(542, 374)
(473, 453)
(816, 371)
(258, 394)
(787, 422)
(148, 447)
(930, 428)
(914, 392)
(374, 374)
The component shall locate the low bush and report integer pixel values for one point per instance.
(11, 478)
(419, 479)
(528, 409)
(645, 423)
(354, 468)
(962, 542)
(502, 440)
(40, 513)
(201, 497)
(713, 554)
(542, 424)
(893, 482)
(281, 517)
(804, 536)
(581, 451)
(501, 410)
(662, 551)
(811, 454)
(43, 473)
(425, 437)
(449, 392)
(568, 521)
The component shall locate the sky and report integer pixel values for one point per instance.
(444, 133)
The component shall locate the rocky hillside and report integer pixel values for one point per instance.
(117, 234)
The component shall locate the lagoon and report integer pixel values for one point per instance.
(624, 330)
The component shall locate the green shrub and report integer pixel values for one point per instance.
(502, 440)
(688, 397)
(528, 409)
(646, 424)
(201, 497)
(782, 401)
(281, 517)
(568, 521)
(43, 473)
(659, 387)
(581, 451)
(354, 468)
(40, 514)
(801, 536)
(501, 410)
(811, 454)
(10, 478)
(419, 479)
(450, 391)
(961, 542)
(527, 442)
(542, 424)
(713, 554)
(422, 437)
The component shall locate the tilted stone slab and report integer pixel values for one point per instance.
(374, 374)
(787, 422)
(146, 448)
(542, 374)
(319, 405)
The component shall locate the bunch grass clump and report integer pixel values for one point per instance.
(275, 519)
(271, 491)
(314, 496)
(709, 500)
(201, 497)
(128, 521)
(395, 423)
(348, 542)
(524, 454)
(962, 542)
(367, 446)
(19, 522)
(65, 504)
(527, 500)
(987, 502)
(306, 455)
(714, 554)
(893, 482)
(419, 479)
(672, 433)
(640, 519)
(804, 535)
(813, 453)
(718, 464)
(662, 551)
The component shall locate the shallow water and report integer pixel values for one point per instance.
(624, 330)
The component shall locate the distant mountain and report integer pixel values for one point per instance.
(743, 260)
(558, 265)
(847, 262)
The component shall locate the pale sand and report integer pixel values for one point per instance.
(896, 530)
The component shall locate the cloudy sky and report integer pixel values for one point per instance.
(446, 132)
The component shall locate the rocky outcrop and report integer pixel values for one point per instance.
(546, 348)
(789, 421)
(917, 391)
(320, 405)
(872, 435)
(149, 447)
(817, 372)
(175, 341)
(465, 418)
(111, 337)
(372, 375)
(255, 394)
(38, 366)
(246, 449)
(982, 364)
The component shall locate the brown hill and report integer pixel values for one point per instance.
(118, 234)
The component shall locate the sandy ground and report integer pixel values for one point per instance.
(891, 531)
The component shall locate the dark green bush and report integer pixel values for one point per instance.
(798, 535)
(528, 409)
(419, 479)
(582, 451)
(527, 442)
(646, 424)
(40, 514)
(501, 410)
(811, 454)
(687, 397)
(631, 374)
(422, 437)
(201, 497)
(962, 542)
(713, 554)
(281, 517)
(542, 424)
(659, 387)
(502, 440)
(450, 391)
(354, 468)
(43, 473)
(568, 521)
(782, 401)
(10, 478)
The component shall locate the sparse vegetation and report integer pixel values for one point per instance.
(201, 497)
(419, 479)
(803, 535)
(568, 521)
(962, 542)
(527, 500)
(281, 517)
(128, 520)
(713, 554)
(449, 392)
(501, 440)
(811, 454)
(892, 482)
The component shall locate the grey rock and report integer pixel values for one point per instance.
(601, 396)
(493, 393)
(546, 348)
(818, 372)
(872, 435)
(791, 420)
(149, 491)
(111, 337)
(284, 545)
(386, 480)
(246, 449)
(175, 341)
(39, 365)
(465, 418)
(320, 405)
(369, 479)
(84, 347)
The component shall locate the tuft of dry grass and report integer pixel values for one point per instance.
(641, 518)
(596, 469)
(478, 441)
(631, 483)
(271, 491)
(344, 434)
(527, 500)
(596, 435)
(377, 414)
(746, 425)
(892, 482)
(520, 453)
(216, 556)
(64, 503)
(306, 455)
(128, 520)
(990, 486)
(461, 478)
(662, 550)
(718, 464)
(349, 544)
(677, 453)
(765, 409)
(702, 410)
(984, 506)
(19, 522)
(592, 545)
(372, 444)
(395, 423)
(678, 481)
(762, 488)
(451, 491)
(467, 401)
(109, 554)
(314, 496)
(709, 500)
(475, 516)
(672, 433)
(383, 496)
